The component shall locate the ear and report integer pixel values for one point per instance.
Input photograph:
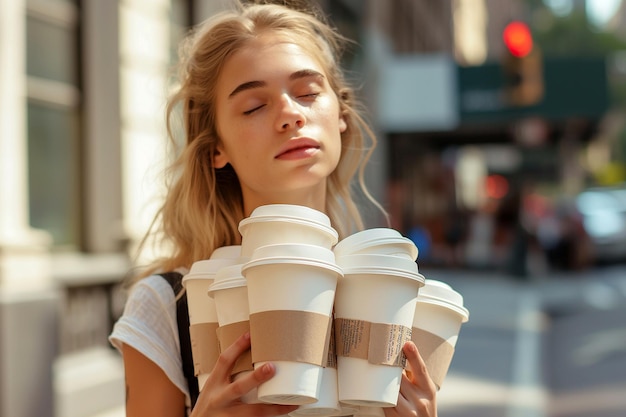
(343, 126)
(220, 159)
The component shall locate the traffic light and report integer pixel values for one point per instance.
(522, 65)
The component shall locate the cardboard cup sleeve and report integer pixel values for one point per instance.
(290, 335)
(436, 352)
(204, 347)
(226, 335)
(378, 343)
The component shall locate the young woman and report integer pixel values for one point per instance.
(267, 118)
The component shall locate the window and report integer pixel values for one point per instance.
(54, 145)
(54, 171)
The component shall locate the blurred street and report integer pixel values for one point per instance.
(551, 347)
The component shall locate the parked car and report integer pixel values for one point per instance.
(604, 218)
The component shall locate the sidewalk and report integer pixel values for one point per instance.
(497, 369)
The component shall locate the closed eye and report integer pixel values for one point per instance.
(248, 112)
(310, 96)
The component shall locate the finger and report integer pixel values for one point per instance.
(409, 391)
(418, 372)
(390, 412)
(402, 408)
(246, 383)
(226, 361)
(415, 401)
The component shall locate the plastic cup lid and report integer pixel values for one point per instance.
(291, 211)
(380, 264)
(227, 252)
(228, 277)
(292, 214)
(438, 292)
(375, 237)
(207, 268)
(293, 253)
(332, 233)
(369, 234)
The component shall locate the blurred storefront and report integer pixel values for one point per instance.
(483, 172)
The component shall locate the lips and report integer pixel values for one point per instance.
(298, 148)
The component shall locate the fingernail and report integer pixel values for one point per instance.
(246, 335)
(267, 369)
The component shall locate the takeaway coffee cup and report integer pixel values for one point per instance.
(327, 403)
(202, 315)
(291, 289)
(439, 314)
(285, 223)
(377, 241)
(230, 294)
(370, 335)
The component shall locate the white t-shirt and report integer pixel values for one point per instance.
(149, 325)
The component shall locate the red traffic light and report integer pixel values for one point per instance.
(496, 186)
(518, 39)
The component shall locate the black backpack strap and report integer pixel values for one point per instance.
(182, 318)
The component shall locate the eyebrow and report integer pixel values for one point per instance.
(304, 73)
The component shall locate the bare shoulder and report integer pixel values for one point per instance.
(148, 390)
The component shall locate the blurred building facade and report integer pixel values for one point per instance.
(83, 146)
(617, 22)
(82, 85)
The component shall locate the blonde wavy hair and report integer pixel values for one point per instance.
(204, 205)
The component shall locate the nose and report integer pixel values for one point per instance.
(290, 115)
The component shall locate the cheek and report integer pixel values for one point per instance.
(242, 143)
(333, 113)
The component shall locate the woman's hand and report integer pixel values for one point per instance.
(418, 392)
(221, 397)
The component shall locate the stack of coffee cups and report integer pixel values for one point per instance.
(331, 316)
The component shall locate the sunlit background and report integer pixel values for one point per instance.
(508, 172)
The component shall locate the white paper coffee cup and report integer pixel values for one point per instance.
(232, 252)
(370, 335)
(285, 223)
(439, 314)
(230, 293)
(328, 401)
(291, 289)
(377, 241)
(202, 314)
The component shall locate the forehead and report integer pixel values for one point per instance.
(265, 58)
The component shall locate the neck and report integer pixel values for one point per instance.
(312, 198)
